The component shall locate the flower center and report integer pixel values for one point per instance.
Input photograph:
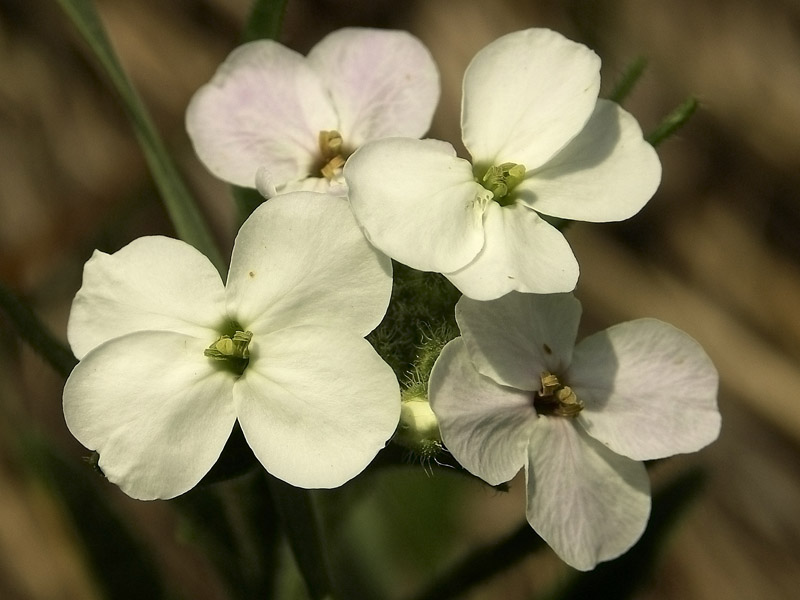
(232, 351)
(555, 399)
(332, 154)
(501, 180)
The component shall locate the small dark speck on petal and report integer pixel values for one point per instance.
(252, 273)
(547, 349)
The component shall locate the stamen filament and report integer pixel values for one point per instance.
(332, 153)
(555, 399)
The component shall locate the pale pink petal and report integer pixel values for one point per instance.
(484, 425)
(588, 503)
(156, 410)
(526, 95)
(514, 339)
(607, 173)
(649, 390)
(383, 83)
(522, 252)
(417, 202)
(153, 283)
(316, 405)
(265, 106)
(301, 259)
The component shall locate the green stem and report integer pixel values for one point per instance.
(482, 564)
(32, 330)
(181, 206)
(237, 528)
(300, 520)
(265, 20)
(263, 23)
(247, 200)
(295, 507)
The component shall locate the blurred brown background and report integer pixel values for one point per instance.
(716, 252)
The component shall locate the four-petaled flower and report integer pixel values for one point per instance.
(540, 141)
(512, 393)
(170, 357)
(291, 121)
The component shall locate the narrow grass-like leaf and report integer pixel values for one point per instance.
(265, 20)
(295, 507)
(121, 564)
(630, 77)
(236, 528)
(300, 521)
(32, 330)
(673, 121)
(181, 206)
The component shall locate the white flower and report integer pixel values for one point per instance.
(540, 141)
(294, 120)
(158, 390)
(513, 392)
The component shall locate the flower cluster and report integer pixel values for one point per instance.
(171, 358)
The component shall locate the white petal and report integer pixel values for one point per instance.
(607, 173)
(157, 411)
(383, 83)
(417, 202)
(526, 95)
(517, 337)
(587, 503)
(316, 405)
(522, 252)
(301, 259)
(153, 283)
(649, 390)
(484, 425)
(265, 106)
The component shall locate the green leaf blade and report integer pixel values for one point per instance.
(182, 209)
